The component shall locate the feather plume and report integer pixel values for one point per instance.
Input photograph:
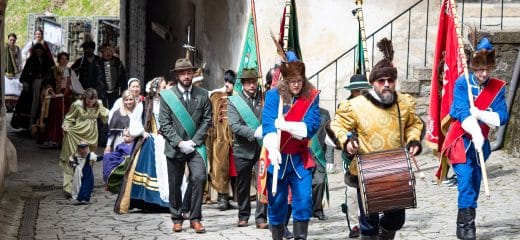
(385, 46)
(279, 48)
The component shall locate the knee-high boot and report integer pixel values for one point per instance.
(385, 234)
(469, 224)
(460, 224)
(300, 230)
(277, 231)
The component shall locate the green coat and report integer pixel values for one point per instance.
(172, 130)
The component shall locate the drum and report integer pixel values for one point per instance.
(386, 181)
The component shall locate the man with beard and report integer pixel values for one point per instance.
(244, 111)
(185, 116)
(383, 119)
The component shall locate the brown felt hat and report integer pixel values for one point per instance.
(182, 64)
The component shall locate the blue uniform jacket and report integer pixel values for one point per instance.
(460, 106)
(311, 119)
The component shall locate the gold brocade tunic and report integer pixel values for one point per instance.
(377, 128)
(219, 143)
(82, 125)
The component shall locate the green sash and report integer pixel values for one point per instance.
(184, 118)
(245, 112)
(317, 151)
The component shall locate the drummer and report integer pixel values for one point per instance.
(378, 130)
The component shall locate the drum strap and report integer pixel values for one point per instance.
(400, 126)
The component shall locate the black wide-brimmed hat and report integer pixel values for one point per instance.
(357, 81)
(182, 64)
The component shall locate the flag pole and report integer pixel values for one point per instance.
(470, 94)
(253, 12)
(365, 65)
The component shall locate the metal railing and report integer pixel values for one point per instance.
(336, 68)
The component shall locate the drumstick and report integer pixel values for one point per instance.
(421, 174)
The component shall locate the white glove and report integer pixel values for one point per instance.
(273, 147)
(192, 143)
(490, 118)
(297, 129)
(186, 147)
(470, 125)
(329, 142)
(330, 167)
(258, 132)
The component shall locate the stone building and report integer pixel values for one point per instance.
(153, 33)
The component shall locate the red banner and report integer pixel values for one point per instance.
(447, 67)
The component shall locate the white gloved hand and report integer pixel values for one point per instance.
(474, 111)
(297, 129)
(258, 132)
(276, 157)
(186, 147)
(329, 142)
(273, 149)
(490, 118)
(330, 167)
(471, 126)
(280, 123)
(192, 143)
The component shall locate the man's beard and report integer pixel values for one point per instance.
(387, 96)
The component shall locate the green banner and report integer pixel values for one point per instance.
(249, 58)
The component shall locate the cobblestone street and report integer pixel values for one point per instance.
(34, 206)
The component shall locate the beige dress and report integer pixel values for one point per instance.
(81, 125)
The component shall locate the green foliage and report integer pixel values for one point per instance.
(17, 12)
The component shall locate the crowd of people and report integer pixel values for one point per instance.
(174, 147)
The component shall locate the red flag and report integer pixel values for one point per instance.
(447, 67)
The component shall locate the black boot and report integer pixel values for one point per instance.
(300, 230)
(460, 224)
(385, 234)
(277, 231)
(469, 224)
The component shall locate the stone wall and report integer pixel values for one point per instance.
(507, 44)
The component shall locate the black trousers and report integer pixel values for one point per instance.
(318, 188)
(244, 169)
(197, 180)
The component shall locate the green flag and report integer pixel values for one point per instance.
(249, 57)
(360, 63)
(293, 42)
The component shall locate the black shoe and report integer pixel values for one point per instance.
(223, 204)
(320, 216)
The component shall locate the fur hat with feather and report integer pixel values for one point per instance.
(385, 67)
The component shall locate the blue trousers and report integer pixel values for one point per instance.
(469, 177)
(301, 198)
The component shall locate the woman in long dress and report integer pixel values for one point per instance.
(80, 124)
(13, 68)
(123, 119)
(55, 102)
(145, 185)
(36, 69)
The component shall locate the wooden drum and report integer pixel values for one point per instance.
(386, 181)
